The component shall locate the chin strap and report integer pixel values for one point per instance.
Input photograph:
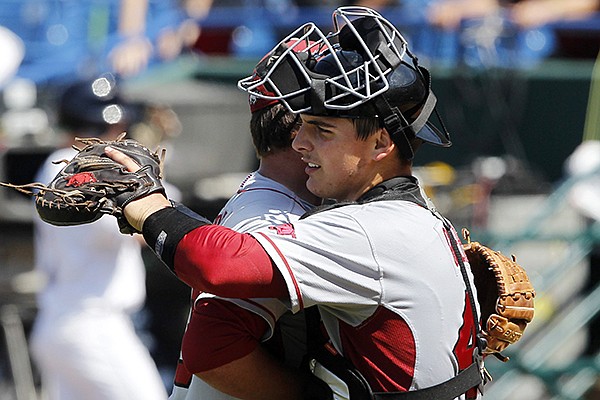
(402, 131)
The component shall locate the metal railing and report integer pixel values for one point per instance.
(535, 356)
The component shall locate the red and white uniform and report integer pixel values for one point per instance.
(383, 274)
(388, 288)
(259, 202)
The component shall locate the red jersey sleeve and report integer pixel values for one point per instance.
(218, 333)
(213, 258)
(221, 261)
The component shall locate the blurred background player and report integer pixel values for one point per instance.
(448, 14)
(83, 340)
(274, 194)
(137, 47)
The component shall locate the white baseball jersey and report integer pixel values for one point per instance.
(259, 202)
(388, 287)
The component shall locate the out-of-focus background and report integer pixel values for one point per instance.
(517, 96)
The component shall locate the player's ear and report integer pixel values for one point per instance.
(383, 144)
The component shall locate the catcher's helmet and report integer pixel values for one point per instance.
(360, 70)
(94, 105)
(267, 97)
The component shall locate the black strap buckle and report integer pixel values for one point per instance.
(483, 372)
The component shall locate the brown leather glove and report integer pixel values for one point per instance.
(505, 295)
(92, 184)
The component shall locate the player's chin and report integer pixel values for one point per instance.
(313, 185)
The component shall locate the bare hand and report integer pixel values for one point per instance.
(121, 158)
(137, 211)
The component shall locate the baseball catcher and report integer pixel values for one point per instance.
(91, 184)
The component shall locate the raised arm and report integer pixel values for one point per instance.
(207, 257)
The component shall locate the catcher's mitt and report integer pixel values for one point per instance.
(504, 293)
(92, 184)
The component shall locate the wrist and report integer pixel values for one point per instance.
(138, 211)
(166, 227)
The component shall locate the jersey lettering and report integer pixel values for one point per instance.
(284, 229)
(467, 335)
(465, 346)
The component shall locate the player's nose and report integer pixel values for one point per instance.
(300, 142)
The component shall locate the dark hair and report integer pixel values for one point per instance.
(272, 128)
(366, 126)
